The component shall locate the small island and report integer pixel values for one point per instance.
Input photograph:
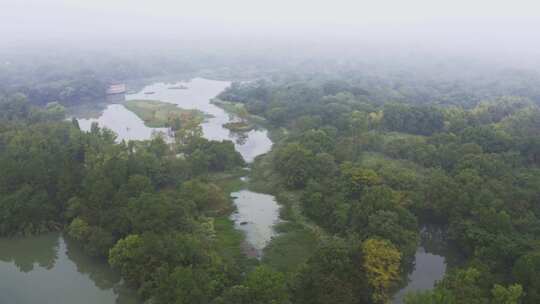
(239, 126)
(239, 110)
(158, 114)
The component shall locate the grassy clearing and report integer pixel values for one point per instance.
(228, 106)
(297, 237)
(229, 181)
(376, 159)
(239, 110)
(228, 239)
(157, 114)
(292, 247)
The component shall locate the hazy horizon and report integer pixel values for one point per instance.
(499, 29)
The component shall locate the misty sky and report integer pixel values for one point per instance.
(476, 24)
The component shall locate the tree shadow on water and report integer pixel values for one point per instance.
(100, 272)
(26, 252)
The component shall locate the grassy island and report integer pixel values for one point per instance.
(157, 114)
(247, 121)
(239, 126)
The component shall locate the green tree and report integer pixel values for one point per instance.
(293, 163)
(526, 270)
(332, 275)
(128, 256)
(466, 286)
(266, 286)
(507, 295)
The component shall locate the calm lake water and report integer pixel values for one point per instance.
(49, 269)
(431, 259)
(256, 216)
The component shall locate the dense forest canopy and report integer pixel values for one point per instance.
(365, 154)
(372, 167)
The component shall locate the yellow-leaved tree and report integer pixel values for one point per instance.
(381, 264)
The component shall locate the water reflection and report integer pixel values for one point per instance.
(97, 270)
(256, 216)
(26, 253)
(434, 254)
(51, 270)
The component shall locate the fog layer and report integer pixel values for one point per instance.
(502, 28)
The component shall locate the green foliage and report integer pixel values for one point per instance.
(449, 158)
(126, 255)
(79, 229)
(437, 296)
(228, 240)
(206, 197)
(205, 155)
(26, 211)
(371, 155)
(167, 267)
(412, 119)
(356, 178)
(262, 286)
(332, 275)
(292, 162)
(134, 202)
(157, 114)
(527, 271)
(317, 141)
(157, 213)
(465, 285)
(507, 295)
(293, 246)
(462, 287)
